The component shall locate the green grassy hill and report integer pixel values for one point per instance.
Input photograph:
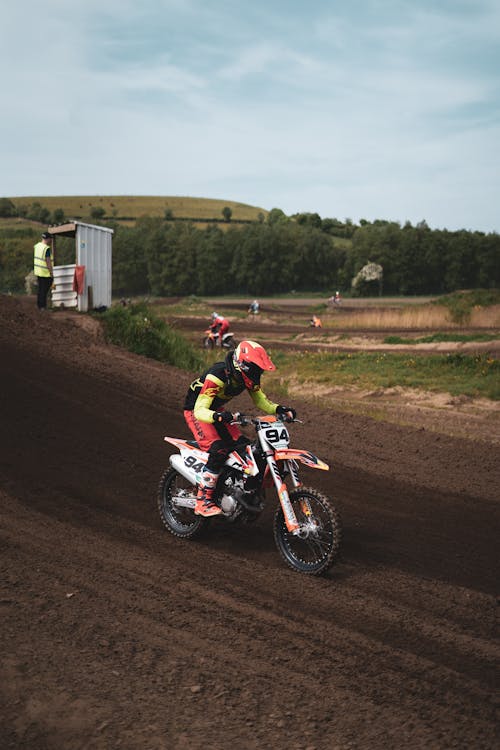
(131, 207)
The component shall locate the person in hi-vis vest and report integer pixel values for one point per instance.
(43, 268)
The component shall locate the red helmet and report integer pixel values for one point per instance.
(249, 360)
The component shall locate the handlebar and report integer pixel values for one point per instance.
(243, 420)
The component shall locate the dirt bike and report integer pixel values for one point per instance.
(307, 527)
(211, 340)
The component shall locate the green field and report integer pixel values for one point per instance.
(458, 374)
(135, 206)
(443, 337)
(140, 329)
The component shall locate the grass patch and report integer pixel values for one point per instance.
(457, 374)
(431, 317)
(402, 318)
(196, 307)
(139, 330)
(461, 304)
(188, 307)
(442, 337)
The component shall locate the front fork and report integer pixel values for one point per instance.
(291, 521)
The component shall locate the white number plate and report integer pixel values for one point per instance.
(277, 436)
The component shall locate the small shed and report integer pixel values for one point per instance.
(86, 284)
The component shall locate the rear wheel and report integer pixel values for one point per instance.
(314, 549)
(180, 521)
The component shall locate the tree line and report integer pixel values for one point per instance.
(296, 253)
(165, 257)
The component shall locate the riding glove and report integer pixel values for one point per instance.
(283, 411)
(223, 416)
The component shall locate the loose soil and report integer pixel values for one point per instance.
(117, 635)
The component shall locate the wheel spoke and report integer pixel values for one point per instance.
(178, 520)
(314, 549)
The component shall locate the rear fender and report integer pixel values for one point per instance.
(305, 457)
(180, 443)
(191, 460)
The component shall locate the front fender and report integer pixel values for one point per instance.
(305, 457)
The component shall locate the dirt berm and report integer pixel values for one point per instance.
(116, 635)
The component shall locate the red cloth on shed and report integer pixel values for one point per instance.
(79, 279)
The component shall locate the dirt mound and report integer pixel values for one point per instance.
(117, 635)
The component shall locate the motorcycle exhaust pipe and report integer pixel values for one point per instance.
(184, 502)
(178, 464)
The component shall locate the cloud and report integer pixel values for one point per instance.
(347, 112)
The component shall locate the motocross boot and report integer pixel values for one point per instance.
(204, 505)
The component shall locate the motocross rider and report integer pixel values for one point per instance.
(210, 423)
(219, 325)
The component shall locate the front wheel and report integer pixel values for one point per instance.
(208, 342)
(314, 549)
(180, 521)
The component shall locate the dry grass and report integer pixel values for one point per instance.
(428, 317)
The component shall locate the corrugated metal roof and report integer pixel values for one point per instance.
(69, 229)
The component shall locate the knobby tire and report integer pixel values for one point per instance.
(181, 522)
(315, 554)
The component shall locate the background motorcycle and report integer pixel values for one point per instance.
(211, 340)
(307, 527)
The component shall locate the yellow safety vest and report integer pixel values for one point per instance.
(39, 261)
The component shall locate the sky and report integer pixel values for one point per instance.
(365, 109)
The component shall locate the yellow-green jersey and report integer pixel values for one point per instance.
(212, 390)
(40, 255)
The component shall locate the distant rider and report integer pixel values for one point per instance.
(219, 326)
(204, 412)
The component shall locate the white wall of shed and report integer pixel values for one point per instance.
(62, 293)
(94, 251)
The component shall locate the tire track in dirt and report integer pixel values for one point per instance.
(141, 602)
(215, 644)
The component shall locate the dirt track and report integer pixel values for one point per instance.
(116, 635)
(339, 339)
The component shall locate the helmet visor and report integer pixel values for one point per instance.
(251, 374)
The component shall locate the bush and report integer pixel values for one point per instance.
(139, 331)
(7, 208)
(97, 213)
(37, 212)
(461, 304)
(16, 260)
